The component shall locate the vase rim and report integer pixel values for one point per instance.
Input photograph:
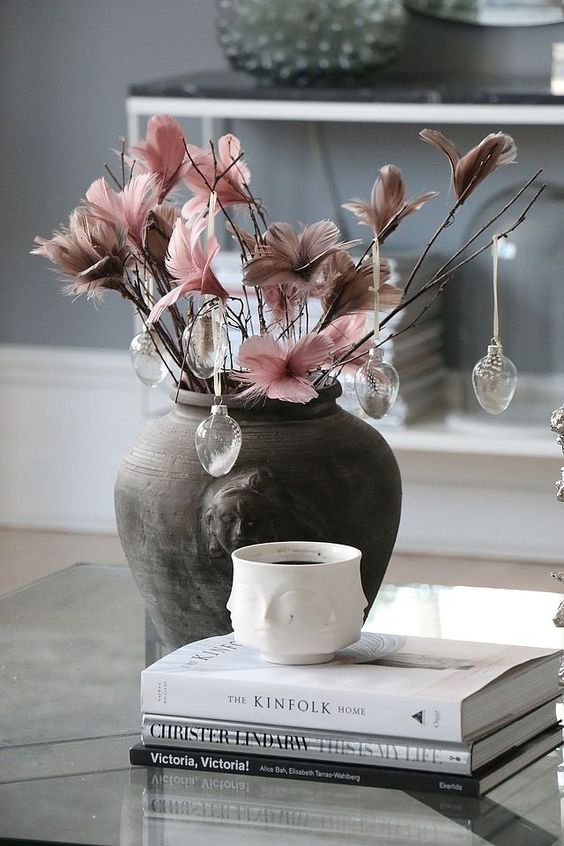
(326, 395)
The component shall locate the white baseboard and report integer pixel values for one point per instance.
(68, 415)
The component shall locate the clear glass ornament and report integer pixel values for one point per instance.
(494, 379)
(218, 441)
(200, 340)
(376, 385)
(147, 363)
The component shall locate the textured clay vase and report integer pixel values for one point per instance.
(305, 472)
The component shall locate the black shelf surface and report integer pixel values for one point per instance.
(387, 86)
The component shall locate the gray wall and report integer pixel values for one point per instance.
(65, 67)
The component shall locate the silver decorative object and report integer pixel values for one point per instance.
(557, 421)
(557, 426)
(558, 621)
(305, 41)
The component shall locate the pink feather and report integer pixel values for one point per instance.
(129, 208)
(279, 371)
(163, 152)
(189, 265)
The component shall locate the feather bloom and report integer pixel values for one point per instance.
(293, 259)
(280, 371)
(89, 252)
(227, 174)
(163, 152)
(496, 150)
(128, 208)
(346, 288)
(388, 204)
(345, 332)
(189, 264)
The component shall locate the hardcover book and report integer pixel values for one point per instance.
(372, 750)
(421, 688)
(192, 759)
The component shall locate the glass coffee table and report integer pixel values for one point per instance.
(72, 648)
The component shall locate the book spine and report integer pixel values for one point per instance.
(191, 695)
(161, 730)
(340, 773)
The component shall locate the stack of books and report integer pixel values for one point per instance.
(417, 714)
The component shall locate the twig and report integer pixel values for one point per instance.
(437, 279)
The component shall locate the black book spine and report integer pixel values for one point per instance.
(338, 773)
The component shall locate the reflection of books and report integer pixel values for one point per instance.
(352, 748)
(169, 798)
(294, 807)
(220, 678)
(193, 760)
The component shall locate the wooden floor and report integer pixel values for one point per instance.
(28, 555)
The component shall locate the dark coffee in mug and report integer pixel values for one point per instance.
(295, 561)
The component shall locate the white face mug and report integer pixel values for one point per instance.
(297, 602)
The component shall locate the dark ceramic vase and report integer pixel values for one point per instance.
(305, 472)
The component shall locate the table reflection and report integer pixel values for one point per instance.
(493, 615)
(173, 807)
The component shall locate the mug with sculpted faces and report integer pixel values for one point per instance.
(297, 602)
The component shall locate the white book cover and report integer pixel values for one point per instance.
(426, 688)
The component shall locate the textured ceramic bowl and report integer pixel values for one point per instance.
(297, 613)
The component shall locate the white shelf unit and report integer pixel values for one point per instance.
(343, 112)
(495, 489)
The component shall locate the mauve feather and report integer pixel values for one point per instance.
(495, 150)
(138, 197)
(318, 237)
(416, 203)
(265, 270)
(388, 194)
(292, 389)
(164, 303)
(259, 350)
(163, 152)
(284, 242)
(229, 148)
(103, 202)
(388, 205)
(442, 143)
(130, 207)
(281, 301)
(345, 330)
(309, 352)
(179, 261)
(279, 371)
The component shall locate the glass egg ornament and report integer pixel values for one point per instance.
(494, 379)
(200, 340)
(376, 385)
(218, 441)
(147, 363)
